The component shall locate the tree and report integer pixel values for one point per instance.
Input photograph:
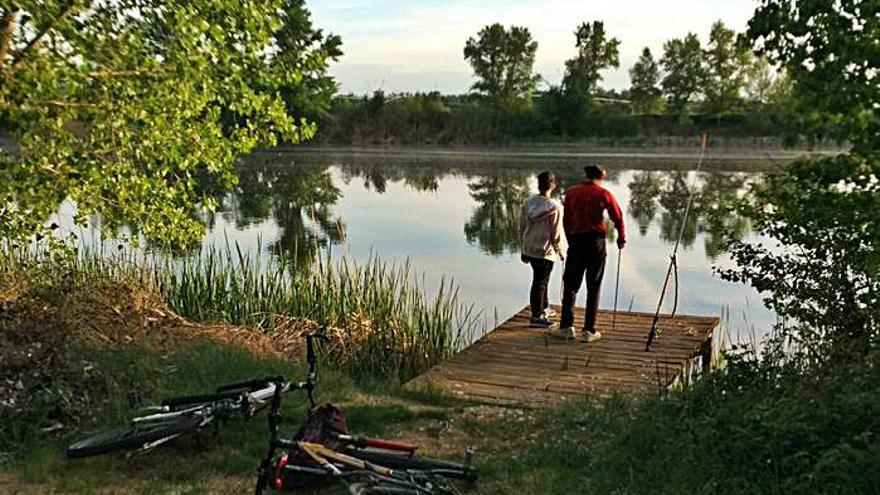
(831, 52)
(595, 53)
(683, 64)
(725, 73)
(825, 279)
(644, 93)
(567, 106)
(759, 80)
(124, 107)
(769, 103)
(819, 260)
(502, 60)
(304, 50)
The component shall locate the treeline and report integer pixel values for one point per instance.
(720, 87)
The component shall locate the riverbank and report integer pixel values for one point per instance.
(636, 158)
(81, 358)
(723, 149)
(747, 429)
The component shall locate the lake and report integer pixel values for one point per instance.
(455, 216)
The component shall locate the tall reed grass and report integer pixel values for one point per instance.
(383, 320)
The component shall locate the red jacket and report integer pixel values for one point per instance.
(584, 205)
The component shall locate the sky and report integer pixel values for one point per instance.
(416, 45)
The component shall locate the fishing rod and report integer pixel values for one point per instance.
(673, 261)
(616, 291)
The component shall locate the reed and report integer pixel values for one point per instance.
(382, 319)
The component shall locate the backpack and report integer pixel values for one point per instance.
(322, 425)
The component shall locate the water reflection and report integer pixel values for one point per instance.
(494, 225)
(644, 189)
(714, 194)
(377, 174)
(459, 219)
(299, 200)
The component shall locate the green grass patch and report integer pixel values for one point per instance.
(741, 431)
(382, 419)
(385, 322)
(148, 378)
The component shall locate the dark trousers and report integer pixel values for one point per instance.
(541, 269)
(585, 261)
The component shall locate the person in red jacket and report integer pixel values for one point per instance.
(584, 225)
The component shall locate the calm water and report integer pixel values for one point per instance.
(457, 216)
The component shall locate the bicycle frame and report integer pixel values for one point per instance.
(253, 398)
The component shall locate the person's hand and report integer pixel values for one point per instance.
(621, 242)
(524, 258)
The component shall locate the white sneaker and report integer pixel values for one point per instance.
(548, 313)
(591, 336)
(566, 333)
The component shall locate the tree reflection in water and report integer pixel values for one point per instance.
(719, 220)
(712, 212)
(644, 189)
(298, 199)
(494, 224)
(376, 176)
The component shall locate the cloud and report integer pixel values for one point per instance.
(414, 42)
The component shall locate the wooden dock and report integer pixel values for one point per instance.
(517, 364)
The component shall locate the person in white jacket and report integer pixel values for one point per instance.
(543, 243)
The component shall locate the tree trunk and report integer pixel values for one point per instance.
(42, 34)
(7, 27)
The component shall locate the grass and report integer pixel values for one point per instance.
(744, 430)
(223, 463)
(755, 427)
(386, 324)
(749, 429)
(88, 385)
(195, 368)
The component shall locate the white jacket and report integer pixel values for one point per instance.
(541, 229)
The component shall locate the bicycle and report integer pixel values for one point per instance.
(191, 414)
(323, 450)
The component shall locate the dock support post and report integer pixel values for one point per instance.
(707, 355)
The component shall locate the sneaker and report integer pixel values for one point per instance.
(542, 322)
(548, 313)
(566, 333)
(588, 336)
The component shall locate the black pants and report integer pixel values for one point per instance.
(541, 270)
(585, 261)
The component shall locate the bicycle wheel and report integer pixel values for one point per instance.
(414, 486)
(398, 461)
(129, 438)
(376, 489)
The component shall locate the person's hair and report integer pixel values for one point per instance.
(594, 172)
(546, 179)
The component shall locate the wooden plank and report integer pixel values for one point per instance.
(517, 364)
(572, 372)
(537, 366)
(628, 329)
(607, 316)
(570, 383)
(607, 342)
